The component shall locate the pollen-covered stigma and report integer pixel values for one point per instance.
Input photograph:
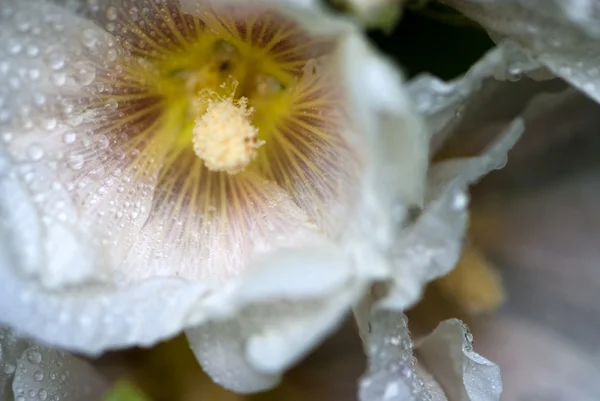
(224, 136)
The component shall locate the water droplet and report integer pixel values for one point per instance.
(460, 201)
(55, 58)
(51, 124)
(97, 173)
(34, 356)
(35, 152)
(34, 74)
(85, 73)
(112, 13)
(589, 87)
(33, 51)
(111, 55)
(69, 138)
(42, 394)
(7, 137)
(75, 161)
(9, 368)
(111, 105)
(91, 38)
(38, 376)
(59, 79)
(14, 46)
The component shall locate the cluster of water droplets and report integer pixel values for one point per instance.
(54, 66)
(47, 375)
(568, 45)
(391, 374)
(35, 373)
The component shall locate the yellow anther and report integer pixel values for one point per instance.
(224, 137)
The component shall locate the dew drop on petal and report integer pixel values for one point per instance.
(35, 152)
(59, 79)
(84, 73)
(9, 368)
(112, 13)
(38, 376)
(75, 161)
(55, 59)
(34, 357)
(69, 137)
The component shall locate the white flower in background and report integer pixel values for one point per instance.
(31, 372)
(563, 35)
(239, 169)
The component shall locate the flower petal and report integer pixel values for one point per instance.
(395, 144)
(282, 314)
(43, 373)
(556, 33)
(464, 375)
(70, 143)
(391, 374)
(11, 348)
(32, 372)
(433, 244)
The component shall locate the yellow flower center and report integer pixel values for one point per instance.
(224, 136)
(226, 96)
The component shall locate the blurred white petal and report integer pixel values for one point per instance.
(559, 34)
(448, 369)
(11, 348)
(434, 242)
(31, 372)
(391, 373)
(463, 374)
(45, 373)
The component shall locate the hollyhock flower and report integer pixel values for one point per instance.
(244, 171)
(237, 169)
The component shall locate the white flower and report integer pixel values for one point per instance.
(118, 231)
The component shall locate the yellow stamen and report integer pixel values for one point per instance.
(224, 137)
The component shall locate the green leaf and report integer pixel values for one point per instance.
(125, 391)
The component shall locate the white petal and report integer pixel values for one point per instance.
(391, 375)
(247, 353)
(492, 91)
(431, 246)
(11, 348)
(43, 373)
(92, 319)
(32, 372)
(465, 375)
(554, 32)
(395, 143)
